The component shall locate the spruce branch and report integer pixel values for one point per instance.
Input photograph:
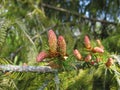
(38, 69)
(76, 14)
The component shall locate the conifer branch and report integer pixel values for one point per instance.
(76, 14)
(38, 69)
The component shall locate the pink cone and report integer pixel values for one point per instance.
(77, 54)
(87, 42)
(62, 45)
(88, 58)
(97, 50)
(52, 40)
(109, 62)
(41, 56)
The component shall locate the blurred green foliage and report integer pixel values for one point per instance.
(23, 34)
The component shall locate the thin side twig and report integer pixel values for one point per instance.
(38, 69)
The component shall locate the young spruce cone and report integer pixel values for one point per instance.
(52, 40)
(87, 42)
(42, 55)
(97, 50)
(109, 62)
(62, 46)
(77, 54)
